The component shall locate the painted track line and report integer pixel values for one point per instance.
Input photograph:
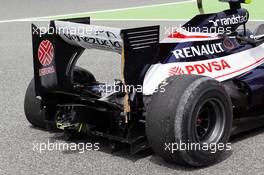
(47, 20)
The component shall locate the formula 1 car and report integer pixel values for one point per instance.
(192, 87)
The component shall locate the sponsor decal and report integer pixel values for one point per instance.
(100, 41)
(207, 67)
(198, 50)
(233, 20)
(45, 52)
(45, 56)
(46, 71)
(90, 36)
(200, 68)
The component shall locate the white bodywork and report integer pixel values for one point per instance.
(90, 36)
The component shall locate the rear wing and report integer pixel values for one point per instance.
(90, 36)
(56, 51)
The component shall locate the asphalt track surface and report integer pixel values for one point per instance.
(17, 135)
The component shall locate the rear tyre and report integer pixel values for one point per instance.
(189, 110)
(34, 112)
(33, 108)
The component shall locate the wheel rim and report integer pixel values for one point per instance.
(209, 121)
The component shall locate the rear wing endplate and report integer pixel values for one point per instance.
(56, 52)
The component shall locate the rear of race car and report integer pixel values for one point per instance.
(71, 99)
(164, 100)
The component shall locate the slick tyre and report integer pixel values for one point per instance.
(189, 109)
(32, 107)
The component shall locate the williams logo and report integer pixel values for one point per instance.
(233, 20)
(199, 50)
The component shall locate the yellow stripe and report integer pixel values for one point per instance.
(80, 128)
(248, 1)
